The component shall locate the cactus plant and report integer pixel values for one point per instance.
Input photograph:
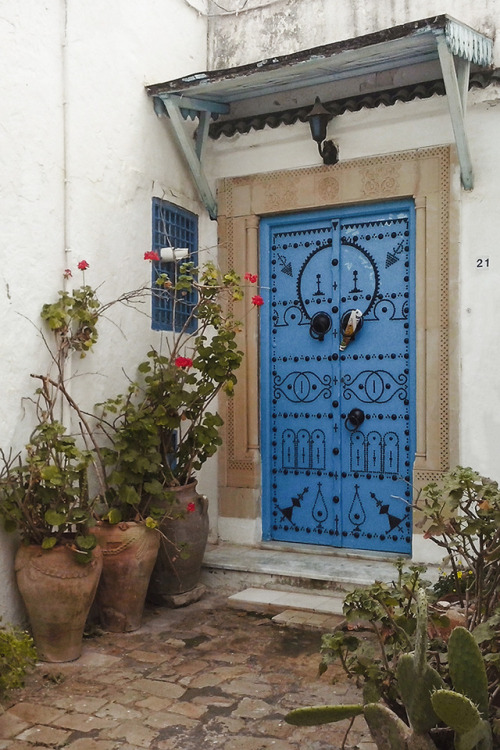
(460, 713)
(465, 708)
(416, 679)
(391, 733)
(467, 668)
(314, 715)
(388, 730)
(456, 710)
(426, 699)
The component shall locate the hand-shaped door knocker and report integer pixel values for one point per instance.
(352, 321)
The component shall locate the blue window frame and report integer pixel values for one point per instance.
(172, 227)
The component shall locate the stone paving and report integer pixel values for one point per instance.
(203, 676)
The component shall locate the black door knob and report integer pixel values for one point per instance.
(354, 419)
(321, 323)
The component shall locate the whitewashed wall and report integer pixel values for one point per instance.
(81, 154)
(252, 30)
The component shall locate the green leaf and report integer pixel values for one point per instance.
(113, 516)
(129, 495)
(83, 557)
(78, 515)
(154, 487)
(49, 542)
(52, 474)
(86, 542)
(55, 518)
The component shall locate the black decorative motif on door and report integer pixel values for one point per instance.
(337, 377)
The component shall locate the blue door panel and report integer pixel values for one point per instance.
(327, 479)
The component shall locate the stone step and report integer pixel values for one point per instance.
(236, 567)
(293, 609)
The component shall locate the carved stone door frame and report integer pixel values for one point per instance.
(423, 175)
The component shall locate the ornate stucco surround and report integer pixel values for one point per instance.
(423, 175)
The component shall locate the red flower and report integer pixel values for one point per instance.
(151, 255)
(67, 273)
(251, 277)
(257, 300)
(183, 362)
(191, 507)
(83, 265)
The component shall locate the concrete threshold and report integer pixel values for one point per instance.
(237, 567)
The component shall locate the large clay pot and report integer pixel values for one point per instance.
(129, 554)
(182, 546)
(58, 592)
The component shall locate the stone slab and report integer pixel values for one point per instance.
(275, 601)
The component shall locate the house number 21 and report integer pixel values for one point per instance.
(482, 263)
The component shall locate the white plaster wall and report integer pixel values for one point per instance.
(478, 287)
(82, 153)
(260, 29)
(31, 227)
(121, 155)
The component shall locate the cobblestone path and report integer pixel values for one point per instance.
(204, 676)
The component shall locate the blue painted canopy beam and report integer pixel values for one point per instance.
(455, 72)
(178, 108)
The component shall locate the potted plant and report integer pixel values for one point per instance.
(44, 496)
(165, 427)
(129, 535)
(44, 490)
(128, 540)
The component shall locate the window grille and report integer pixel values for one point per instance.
(172, 227)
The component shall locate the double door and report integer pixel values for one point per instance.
(337, 377)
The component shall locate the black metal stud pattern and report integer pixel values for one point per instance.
(332, 484)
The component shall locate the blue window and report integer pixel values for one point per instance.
(172, 227)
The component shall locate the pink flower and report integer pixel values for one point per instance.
(183, 362)
(83, 265)
(251, 277)
(151, 255)
(191, 507)
(67, 273)
(257, 300)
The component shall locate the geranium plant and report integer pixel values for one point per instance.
(166, 426)
(44, 490)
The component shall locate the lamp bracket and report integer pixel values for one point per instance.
(329, 152)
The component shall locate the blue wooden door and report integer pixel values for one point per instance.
(337, 411)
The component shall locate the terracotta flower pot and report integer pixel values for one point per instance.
(129, 554)
(58, 592)
(182, 546)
